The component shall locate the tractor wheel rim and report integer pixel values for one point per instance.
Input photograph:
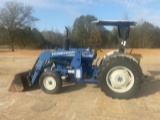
(49, 83)
(120, 79)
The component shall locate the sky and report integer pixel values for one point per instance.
(56, 14)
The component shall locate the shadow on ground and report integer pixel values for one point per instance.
(72, 88)
(67, 86)
(151, 84)
(65, 89)
(20, 83)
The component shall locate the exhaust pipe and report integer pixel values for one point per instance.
(66, 41)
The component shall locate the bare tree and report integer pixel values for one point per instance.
(144, 35)
(53, 38)
(95, 40)
(15, 15)
(126, 17)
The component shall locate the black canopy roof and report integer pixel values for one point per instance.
(115, 22)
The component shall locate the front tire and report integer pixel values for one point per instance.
(50, 82)
(120, 77)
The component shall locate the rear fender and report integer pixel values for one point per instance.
(134, 57)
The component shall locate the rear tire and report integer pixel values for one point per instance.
(50, 82)
(120, 77)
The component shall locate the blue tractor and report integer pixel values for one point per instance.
(118, 74)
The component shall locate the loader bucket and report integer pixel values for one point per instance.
(19, 82)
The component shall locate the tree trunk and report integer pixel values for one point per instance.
(12, 47)
(11, 39)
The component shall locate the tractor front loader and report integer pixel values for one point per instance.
(118, 75)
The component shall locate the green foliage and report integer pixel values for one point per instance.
(83, 34)
(82, 28)
(86, 34)
(4, 39)
(28, 38)
(113, 41)
(144, 35)
(15, 15)
(53, 39)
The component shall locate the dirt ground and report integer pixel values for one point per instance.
(77, 103)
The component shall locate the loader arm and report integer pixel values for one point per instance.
(20, 80)
(38, 66)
